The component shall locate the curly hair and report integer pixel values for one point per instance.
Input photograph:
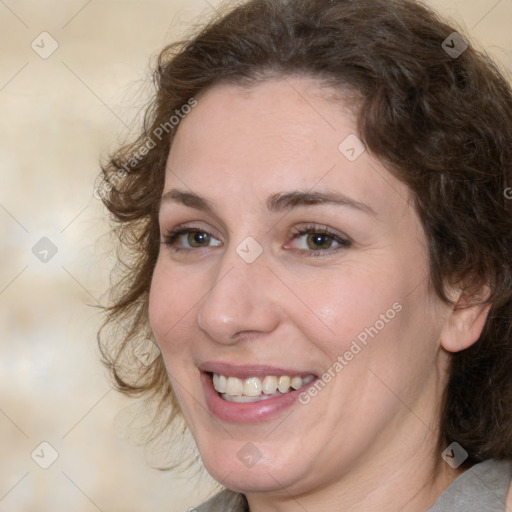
(440, 122)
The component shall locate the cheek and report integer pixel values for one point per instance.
(371, 316)
(171, 298)
(343, 306)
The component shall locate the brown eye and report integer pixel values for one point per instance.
(198, 239)
(187, 239)
(316, 241)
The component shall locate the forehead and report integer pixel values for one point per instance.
(277, 135)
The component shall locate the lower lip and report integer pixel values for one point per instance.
(252, 412)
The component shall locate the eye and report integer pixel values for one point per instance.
(189, 238)
(318, 239)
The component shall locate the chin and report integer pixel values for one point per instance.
(261, 480)
(265, 475)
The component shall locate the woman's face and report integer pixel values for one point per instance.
(291, 252)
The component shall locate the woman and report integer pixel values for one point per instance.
(320, 232)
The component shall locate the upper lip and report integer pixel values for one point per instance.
(246, 371)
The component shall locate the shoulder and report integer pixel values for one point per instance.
(482, 487)
(225, 501)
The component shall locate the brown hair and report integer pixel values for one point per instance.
(441, 123)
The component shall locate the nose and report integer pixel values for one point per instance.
(241, 300)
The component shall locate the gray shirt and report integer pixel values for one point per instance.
(482, 488)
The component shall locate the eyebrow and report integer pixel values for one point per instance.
(289, 200)
(280, 202)
(188, 199)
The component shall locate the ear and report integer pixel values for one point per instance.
(465, 322)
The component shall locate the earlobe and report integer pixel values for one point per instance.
(464, 326)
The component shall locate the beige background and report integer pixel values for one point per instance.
(58, 115)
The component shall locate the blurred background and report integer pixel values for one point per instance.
(73, 78)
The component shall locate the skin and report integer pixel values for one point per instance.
(367, 441)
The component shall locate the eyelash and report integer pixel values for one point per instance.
(170, 239)
(344, 242)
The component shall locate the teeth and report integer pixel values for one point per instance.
(254, 389)
(284, 384)
(269, 385)
(234, 387)
(220, 383)
(245, 399)
(296, 382)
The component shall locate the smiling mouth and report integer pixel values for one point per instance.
(255, 389)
